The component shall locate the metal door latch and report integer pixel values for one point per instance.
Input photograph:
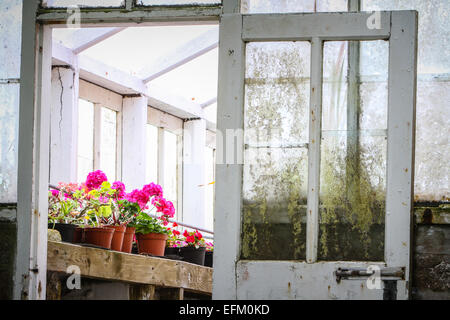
(392, 273)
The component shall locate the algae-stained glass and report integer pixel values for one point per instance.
(353, 151)
(276, 155)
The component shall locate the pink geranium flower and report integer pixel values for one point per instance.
(152, 189)
(164, 206)
(120, 189)
(95, 179)
(139, 197)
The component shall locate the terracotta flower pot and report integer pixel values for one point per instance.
(152, 243)
(117, 240)
(78, 235)
(193, 255)
(128, 239)
(99, 236)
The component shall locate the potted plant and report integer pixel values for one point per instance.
(173, 243)
(195, 248)
(149, 230)
(125, 214)
(120, 215)
(209, 254)
(151, 235)
(63, 212)
(97, 205)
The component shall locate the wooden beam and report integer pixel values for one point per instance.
(132, 268)
(171, 294)
(124, 83)
(324, 25)
(209, 102)
(86, 38)
(161, 98)
(185, 53)
(142, 16)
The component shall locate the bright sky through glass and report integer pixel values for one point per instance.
(136, 49)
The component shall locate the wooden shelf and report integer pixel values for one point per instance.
(131, 268)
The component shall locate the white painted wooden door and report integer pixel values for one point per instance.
(316, 122)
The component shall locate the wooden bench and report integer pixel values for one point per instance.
(132, 276)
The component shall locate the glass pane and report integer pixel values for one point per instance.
(9, 128)
(108, 144)
(171, 168)
(10, 38)
(195, 81)
(275, 160)
(286, 6)
(85, 139)
(431, 182)
(151, 170)
(209, 188)
(82, 3)
(353, 151)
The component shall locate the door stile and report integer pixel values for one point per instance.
(230, 118)
(401, 143)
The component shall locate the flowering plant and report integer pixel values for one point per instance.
(194, 239)
(62, 208)
(209, 246)
(97, 202)
(146, 224)
(174, 240)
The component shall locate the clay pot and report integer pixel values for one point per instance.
(78, 235)
(193, 255)
(99, 236)
(65, 229)
(117, 240)
(128, 239)
(152, 243)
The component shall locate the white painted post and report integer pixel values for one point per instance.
(134, 121)
(63, 125)
(194, 172)
(228, 186)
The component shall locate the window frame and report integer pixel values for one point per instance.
(103, 98)
(167, 122)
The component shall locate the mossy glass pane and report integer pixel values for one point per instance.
(276, 156)
(353, 151)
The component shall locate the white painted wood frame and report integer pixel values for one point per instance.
(310, 279)
(103, 98)
(35, 87)
(33, 158)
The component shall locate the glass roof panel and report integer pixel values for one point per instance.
(134, 48)
(195, 80)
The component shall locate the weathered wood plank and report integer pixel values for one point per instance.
(118, 266)
(171, 294)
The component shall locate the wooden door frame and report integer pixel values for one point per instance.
(400, 28)
(34, 116)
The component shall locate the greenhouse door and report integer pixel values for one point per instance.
(314, 187)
